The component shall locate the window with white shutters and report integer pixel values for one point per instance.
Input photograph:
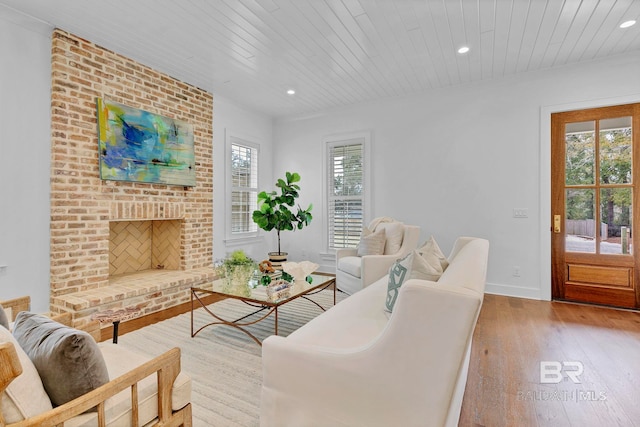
(244, 187)
(346, 192)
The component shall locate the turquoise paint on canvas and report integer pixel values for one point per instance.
(139, 146)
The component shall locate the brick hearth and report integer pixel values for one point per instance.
(83, 206)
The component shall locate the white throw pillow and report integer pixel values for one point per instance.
(394, 232)
(425, 266)
(431, 248)
(25, 396)
(371, 243)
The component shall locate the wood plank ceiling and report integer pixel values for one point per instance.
(340, 52)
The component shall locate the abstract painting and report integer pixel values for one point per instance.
(139, 146)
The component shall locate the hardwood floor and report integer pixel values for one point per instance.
(513, 336)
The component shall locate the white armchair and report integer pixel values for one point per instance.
(355, 272)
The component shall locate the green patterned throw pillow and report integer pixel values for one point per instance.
(416, 265)
(398, 273)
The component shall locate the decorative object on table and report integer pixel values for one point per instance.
(266, 279)
(280, 282)
(266, 267)
(237, 269)
(140, 146)
(274, 212)
(279, 289)
(254, 280)
(300, 271)
(277, 282)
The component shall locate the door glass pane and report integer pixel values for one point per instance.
(580, 149)
(580, 224)
(615, 151)
(615, 225)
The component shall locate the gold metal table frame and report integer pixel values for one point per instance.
(256, 298)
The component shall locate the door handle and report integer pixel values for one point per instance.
(557, 221)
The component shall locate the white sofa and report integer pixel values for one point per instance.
(355, 272)
(357, 365)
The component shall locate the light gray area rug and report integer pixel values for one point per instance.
(223, 362)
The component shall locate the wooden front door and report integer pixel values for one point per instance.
(594, 191)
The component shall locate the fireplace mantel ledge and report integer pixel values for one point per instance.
(132, 287)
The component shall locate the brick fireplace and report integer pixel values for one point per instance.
(89, 272)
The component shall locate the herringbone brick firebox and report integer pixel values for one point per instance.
(89, 269)
(143, 245)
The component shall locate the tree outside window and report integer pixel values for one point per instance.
(599, 169)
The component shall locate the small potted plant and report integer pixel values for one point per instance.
(278, 211)
(237, 268)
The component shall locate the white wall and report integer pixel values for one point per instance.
(25, 86)
(231, 118)
(457, 161)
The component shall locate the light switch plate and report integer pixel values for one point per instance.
(520, 212)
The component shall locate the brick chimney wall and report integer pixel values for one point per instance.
(82, 205)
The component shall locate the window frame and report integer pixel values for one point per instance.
(334, 140)
(231, 140)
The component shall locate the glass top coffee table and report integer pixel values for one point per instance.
(257, 298)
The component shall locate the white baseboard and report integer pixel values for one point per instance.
(513, 291)
(490, 288)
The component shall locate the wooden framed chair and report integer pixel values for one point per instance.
(142, 391)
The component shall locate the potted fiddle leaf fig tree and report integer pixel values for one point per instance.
(277, 210)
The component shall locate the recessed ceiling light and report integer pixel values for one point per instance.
(627, 24)
(291, 92)
(463, 49)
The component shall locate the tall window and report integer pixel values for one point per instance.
(244, 186)
(346, 191)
